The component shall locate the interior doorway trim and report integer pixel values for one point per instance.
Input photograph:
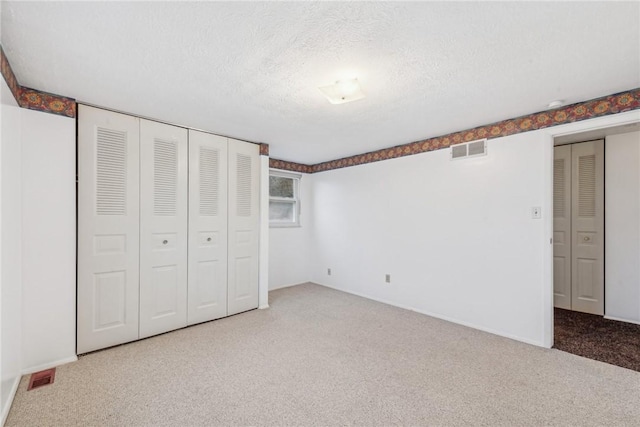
(627, 118)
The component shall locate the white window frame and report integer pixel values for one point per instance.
(295, 201)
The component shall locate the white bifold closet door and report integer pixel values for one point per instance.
(562, 227)
(578, 227)
(587, 224)
(244, 223)
(108, 228)
(168, 227)
(163, 227)
(207, 227)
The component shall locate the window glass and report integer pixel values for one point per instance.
(280, 186)
(281, 211)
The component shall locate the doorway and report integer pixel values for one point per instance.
(596, 245)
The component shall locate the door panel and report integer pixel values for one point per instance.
(586, 285)
(165, 291)
(562, 227)
(110, 299)
(244, 174)
(163, 228)
(206, 295)
(207, 227)
(108, 228)
(587, 275)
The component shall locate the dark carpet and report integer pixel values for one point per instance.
(595, 337)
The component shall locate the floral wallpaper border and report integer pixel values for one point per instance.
(606, 105)
(34, 99)
(8, 75)
(290, 166)
(264, 149)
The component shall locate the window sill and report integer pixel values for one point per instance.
(284, 225)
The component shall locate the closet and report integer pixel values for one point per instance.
(168, 223)
(578, 227)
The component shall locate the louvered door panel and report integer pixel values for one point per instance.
(165, 177)
(108, 228)
(587, 186)
(163, 228)
(562, 227)
(587, 273)
(111, 172)
(207, 227)
(243, 208)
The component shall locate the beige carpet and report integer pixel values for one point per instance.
(323, 357)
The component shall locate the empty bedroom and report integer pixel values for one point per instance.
(319, 213)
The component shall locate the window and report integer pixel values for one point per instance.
(284, 202)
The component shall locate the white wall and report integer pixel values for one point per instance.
(622, 227)
(457, 237)
(289, 247)
(49, 242)
(10, 268)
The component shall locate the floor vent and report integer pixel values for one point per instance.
(42, 378)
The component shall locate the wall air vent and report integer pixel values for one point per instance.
(469, 149)
(458, 151)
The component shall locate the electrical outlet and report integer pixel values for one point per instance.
(536, 212)
(387, 278)
(328, 272)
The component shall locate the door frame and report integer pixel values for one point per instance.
(549, 135)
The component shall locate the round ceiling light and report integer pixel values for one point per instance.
(556, 104)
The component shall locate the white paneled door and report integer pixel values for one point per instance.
(578, 234)
(587, 224)
(163, 227)
(244, 222)
(108, 228)
(562, 227)
(207, 293)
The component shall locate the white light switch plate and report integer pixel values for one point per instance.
(536, 212)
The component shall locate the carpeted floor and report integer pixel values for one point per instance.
(597, 338)
(323, 357)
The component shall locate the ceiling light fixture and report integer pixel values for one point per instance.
(343, 91)
(556, 104)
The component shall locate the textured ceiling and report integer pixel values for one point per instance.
(251, 70)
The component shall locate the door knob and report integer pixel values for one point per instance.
(208, 239)
(164, 242)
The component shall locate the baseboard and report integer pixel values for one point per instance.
(286, 286)
(439, 316)
(50, 365)
(264, 306)
(12, 394)
(619, 319)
